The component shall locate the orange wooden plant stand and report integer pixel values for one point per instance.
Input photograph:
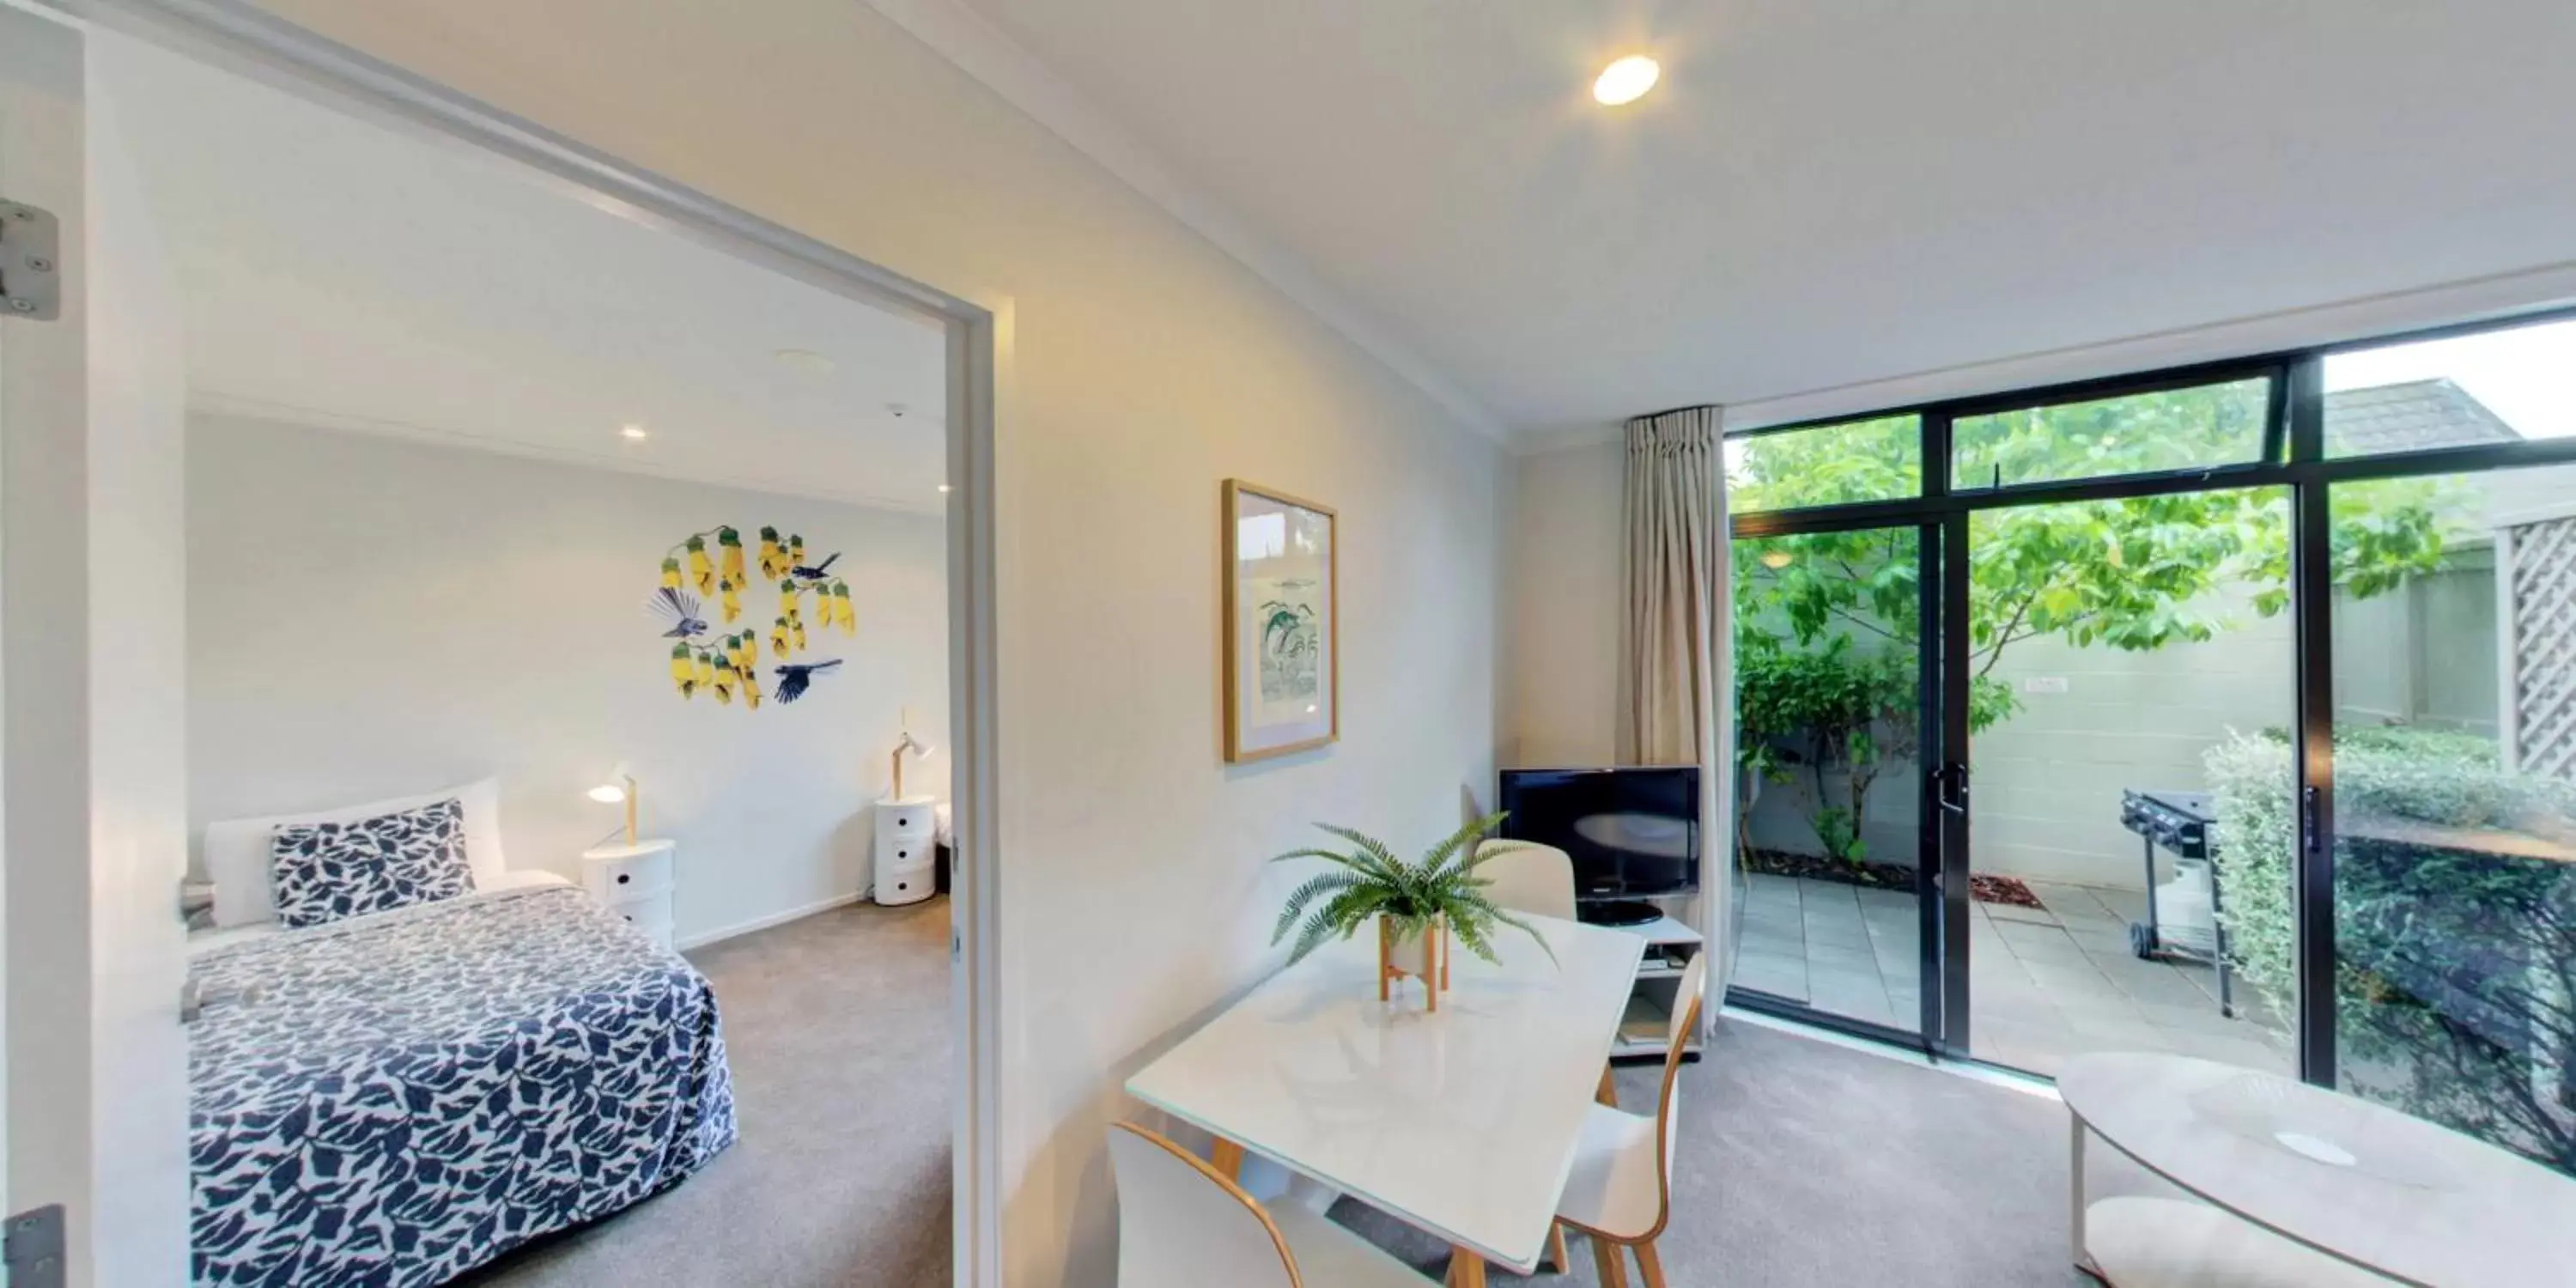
(1435, 973)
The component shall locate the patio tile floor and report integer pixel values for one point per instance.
(2045, 983)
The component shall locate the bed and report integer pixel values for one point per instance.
(395, 1098)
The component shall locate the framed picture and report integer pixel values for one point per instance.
(1282, 645)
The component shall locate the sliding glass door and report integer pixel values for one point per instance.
(2127, 674)
(1831, 731)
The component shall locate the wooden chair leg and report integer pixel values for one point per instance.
(1608, 1093)
(1227, 1159)
(1557, 1256)
(1611, 1261)
(1651, 1263)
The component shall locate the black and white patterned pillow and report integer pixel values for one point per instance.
(327, 871)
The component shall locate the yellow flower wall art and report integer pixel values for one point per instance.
(711, 570)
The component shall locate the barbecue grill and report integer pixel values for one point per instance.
(2182, 823)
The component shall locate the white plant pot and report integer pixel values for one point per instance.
(1420, 952)
(1415, 953)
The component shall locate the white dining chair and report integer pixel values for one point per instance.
(1621, 1188)
(1528, 877)
(2141, 1242)
(1184, 1224)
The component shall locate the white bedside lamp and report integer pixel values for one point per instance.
(911, 744)
(620, 787)
(634, 881)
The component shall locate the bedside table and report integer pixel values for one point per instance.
(633, 881)
(907, 849)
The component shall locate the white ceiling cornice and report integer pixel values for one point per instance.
(969, 40)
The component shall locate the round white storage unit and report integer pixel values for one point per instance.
(907, 849)
(634, 882)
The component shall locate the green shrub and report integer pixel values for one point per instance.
(2456, 961)
(1806, 712)
(2252, 790)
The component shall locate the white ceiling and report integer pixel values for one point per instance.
(337, 273)
(1820, 195)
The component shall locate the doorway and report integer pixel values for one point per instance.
(2110, 650)
(1834, 685)
(1985, 726)
(963, 343)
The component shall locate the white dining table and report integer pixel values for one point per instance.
(1460, 1122)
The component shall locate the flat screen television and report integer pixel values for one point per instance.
(1632, 832)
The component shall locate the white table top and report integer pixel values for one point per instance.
(1462, 1123)
(2409, 1199)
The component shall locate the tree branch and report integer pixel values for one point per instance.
(1995, 651)
(1865, 623)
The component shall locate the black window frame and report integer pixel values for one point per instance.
(2293, 458)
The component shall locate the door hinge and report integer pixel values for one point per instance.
(35, 1248)
(31, 279)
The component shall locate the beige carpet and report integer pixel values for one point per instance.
(837, 1026)
(1809, 1165)
(1804, 1164)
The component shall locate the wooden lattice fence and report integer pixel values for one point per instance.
(2536, 597)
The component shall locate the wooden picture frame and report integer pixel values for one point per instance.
(1280, 642)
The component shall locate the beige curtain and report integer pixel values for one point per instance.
(1677, 684)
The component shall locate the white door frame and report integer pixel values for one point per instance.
(244, 39)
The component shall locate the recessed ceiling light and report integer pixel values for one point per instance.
(804, 360)
(943, 487)
(1626, 80)
(633, 433)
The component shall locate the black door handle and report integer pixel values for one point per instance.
(1950, 787)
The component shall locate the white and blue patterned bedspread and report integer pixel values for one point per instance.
(420, 1091)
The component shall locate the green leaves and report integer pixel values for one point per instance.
(1372, 881)
(1331, 883)
(2439, 937)
(1867, 460)
(1827, 623)
(2136, 574)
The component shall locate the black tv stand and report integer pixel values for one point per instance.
(1618, 912)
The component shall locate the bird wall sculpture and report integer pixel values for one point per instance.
(794, 679)
(712, 565)
(679, 609)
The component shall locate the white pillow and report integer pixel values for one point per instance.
(236, 850)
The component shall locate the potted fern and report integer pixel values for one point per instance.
(1417, 906)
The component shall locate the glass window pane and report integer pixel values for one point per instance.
(1829, 782)
(2455, 803)
(2505, 386)
(2173, 429)
(1861, 460)
(2130, 664)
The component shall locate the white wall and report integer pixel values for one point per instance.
(373, 618)
(1565, 608)
(138, 706)
(2048, 781)
(95, 669)
(1145, 367)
